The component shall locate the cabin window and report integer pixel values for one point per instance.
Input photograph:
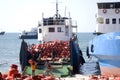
(114, 21)
(119, 20)
(108, 5)
(40, 30)
(51, 29)
(59, 29)
(107, 21)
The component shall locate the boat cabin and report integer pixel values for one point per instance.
(108, 17)
(55, 28)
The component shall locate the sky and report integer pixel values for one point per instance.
(19, 15)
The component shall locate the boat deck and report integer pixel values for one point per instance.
(57, 70)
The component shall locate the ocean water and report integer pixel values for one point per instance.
(10, 47)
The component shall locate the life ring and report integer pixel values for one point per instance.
(117, 11)
(104, 11)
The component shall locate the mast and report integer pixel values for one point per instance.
(57, 9)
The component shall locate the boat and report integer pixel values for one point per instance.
(58, 47)
(105, 45)
(2, 32)
(32, 34)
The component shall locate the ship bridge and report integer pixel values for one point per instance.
(108, 17)
(52, 28)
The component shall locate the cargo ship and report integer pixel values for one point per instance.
(58, 47)
(32, 34)
(105, 45)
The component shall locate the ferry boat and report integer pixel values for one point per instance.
(58, 46)
(32, 34)
(105, 46)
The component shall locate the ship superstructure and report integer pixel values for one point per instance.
(108, 17)
(56, 28)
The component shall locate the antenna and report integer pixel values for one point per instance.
(57, 15)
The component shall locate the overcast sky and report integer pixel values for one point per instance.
(19, 15)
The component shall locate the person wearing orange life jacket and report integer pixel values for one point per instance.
(33, 66)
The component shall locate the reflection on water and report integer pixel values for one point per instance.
(89, 68)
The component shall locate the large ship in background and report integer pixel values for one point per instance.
(106, 45)
(58, 46)
(32, 34)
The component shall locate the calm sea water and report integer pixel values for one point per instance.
(10, 48)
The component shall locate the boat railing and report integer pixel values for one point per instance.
(53, 22)
(66, 22)
(73, 23)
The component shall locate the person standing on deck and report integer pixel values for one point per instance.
(48, 68)
(53, 55)
(33, 66)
